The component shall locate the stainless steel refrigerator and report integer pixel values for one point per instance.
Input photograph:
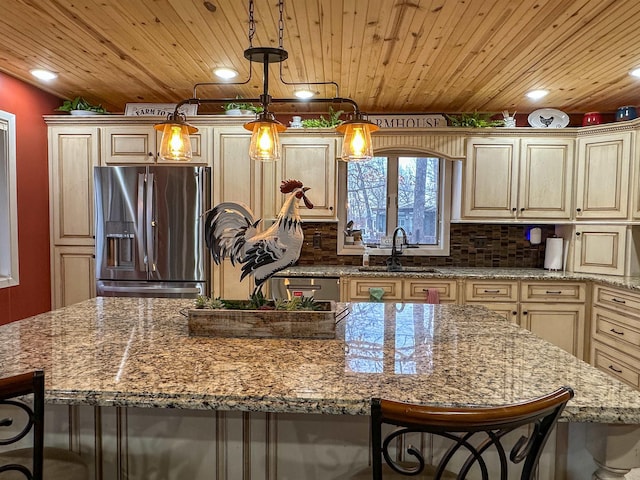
(150, 231)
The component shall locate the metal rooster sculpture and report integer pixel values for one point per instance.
(231, 231)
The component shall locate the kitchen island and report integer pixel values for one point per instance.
(126, 371)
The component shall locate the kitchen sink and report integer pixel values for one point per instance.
(383, 268)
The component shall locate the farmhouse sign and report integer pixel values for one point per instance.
(408, 121)
(158, 109)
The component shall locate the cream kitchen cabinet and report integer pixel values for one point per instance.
(312, 159)
(412, 290)
(600, 249)
(73, 274)
(602, 176)
(140, 144)
(615, 330)
(73, 152)
(235, 178)
(555, 311)
(358, 289)
(516, 179)
(498, 296)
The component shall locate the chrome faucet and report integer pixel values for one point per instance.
(393, 263)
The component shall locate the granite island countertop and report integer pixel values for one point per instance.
(137, 352)
(483, 273)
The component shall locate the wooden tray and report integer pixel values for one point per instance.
(264, 323)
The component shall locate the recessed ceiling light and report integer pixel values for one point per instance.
(43, 74)
(304, 93)
(225, 73)
(537, 94)
(635, 72)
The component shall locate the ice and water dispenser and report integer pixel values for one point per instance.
(120, 241)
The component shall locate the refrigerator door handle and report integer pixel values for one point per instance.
(140, 232)
(151, 223)
(151, 289)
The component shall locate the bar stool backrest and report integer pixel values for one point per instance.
(472, 432)
(11, 388)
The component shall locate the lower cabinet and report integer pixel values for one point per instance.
(615, 330)
(498, 296)
(554, 311)
(74, 275)
(558, 323)
(396, 289)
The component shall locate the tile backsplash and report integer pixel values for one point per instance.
(504, 246)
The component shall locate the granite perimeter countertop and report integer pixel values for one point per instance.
(137, 352)
(632, 283)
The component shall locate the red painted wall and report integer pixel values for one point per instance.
(29, 104)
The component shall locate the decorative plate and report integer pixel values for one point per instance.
(548, 118)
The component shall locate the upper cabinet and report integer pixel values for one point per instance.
(516, 179)
(602, 176)
(139, 144)
(312, 160)
(73, 152)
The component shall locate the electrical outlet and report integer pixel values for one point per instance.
(317, 240)
(480, 242)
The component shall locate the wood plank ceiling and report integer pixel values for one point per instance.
(387, 55)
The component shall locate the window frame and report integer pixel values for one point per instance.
(9, 265)
(444, 219)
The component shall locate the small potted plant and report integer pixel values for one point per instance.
(321, 122)
(241, 108)
(79, 106)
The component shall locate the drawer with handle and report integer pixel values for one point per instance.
(620, 300)
(417, 290)
(491, 291)
(607, 325)
(616, 364)
(552, 292)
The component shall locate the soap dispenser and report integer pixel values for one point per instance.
(365, 257)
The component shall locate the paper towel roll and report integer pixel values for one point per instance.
(553, 254)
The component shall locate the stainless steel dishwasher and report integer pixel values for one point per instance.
(320, 288)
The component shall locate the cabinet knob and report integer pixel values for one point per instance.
(514, 313)
(578, 210)
(331, 209)
(525, 313)
(150, 154)
(522, 209)
(514, 209)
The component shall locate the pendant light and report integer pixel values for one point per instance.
(357, 145)
(265, 142)
(176, 144)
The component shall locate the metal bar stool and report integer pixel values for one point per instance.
(472, 432)
(37, 462)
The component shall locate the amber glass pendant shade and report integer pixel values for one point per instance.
(357, 145)
(176, 144)
(265, 140)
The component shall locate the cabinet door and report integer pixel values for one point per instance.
(546, 169)
(600, 249)
(236, 178)
(74, 276)
(312, 160)
(490, 178)
(417, 290)
(73, 153)
(560, 324)
(358, 289)
(507, 310)
(602, 180)
(128, 144)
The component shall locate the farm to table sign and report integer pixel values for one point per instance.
(408, 121)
